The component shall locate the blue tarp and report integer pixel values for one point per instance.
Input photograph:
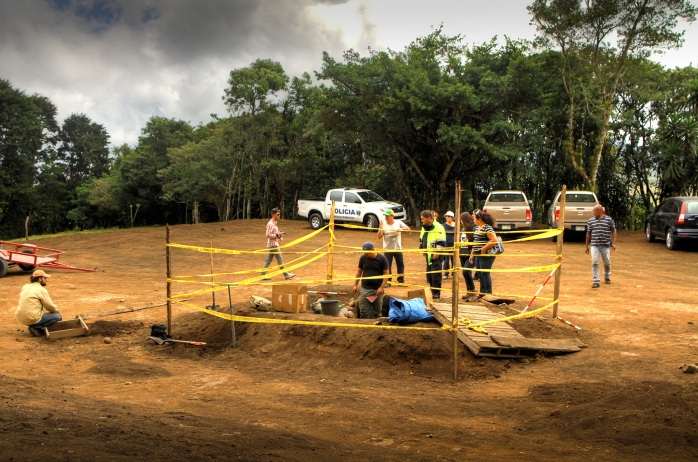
(408, 311)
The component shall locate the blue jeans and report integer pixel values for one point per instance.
(605, 252)
(399, 263)
(485, 263)
(467, 274)
(271, 253)
(448, 262)
(47, 319)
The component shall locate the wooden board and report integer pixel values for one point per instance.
(501, 339)
(557, 345)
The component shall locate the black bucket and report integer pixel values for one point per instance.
(330, 307)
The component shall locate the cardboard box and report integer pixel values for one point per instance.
(289, 298)
(64, 329)
(419, 293)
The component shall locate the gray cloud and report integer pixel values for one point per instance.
(121, 62)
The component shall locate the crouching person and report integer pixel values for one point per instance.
(371, 264)
(36, 309)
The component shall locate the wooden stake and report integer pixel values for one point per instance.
(454, 288)
(213, 293)
(330, 247)
(560, 239)
(168, 262)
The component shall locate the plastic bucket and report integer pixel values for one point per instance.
(329, 307)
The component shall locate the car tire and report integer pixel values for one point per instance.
(27, 267)
(670, 241)
(3, 267)
(648, 233)
(316, 221)
(371, 221)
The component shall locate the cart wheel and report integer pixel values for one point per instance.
(3, 267)
(27, 267)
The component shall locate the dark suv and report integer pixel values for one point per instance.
(675, 220)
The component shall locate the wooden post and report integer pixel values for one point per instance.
(454, 288)
(213, 292)
(330, 247)
(168, 261)
(560, 239)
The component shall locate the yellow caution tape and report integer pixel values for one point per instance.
(468, 324)
(290, 321)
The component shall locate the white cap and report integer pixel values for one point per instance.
(449, 214)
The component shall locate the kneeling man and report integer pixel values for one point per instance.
(371, 264)
(36, 309)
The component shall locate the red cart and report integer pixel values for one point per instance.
(28, 257)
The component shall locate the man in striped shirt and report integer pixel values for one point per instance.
(273, 238)
(601, 239)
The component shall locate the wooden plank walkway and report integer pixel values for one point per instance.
(501, 340)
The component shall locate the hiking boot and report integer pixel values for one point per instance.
(36, 331)
(595, 285)
(608, 280)
(290, 275)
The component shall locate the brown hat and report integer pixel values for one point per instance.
(40, 273)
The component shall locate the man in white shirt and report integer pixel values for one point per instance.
(390, 230)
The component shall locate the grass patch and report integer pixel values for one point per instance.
(65, 233)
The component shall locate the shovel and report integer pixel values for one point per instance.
(161, 341)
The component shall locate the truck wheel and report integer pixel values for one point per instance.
(670, 241)
(3, 267)
(27, 267)
(372, 222)
(648, 233)
(316, 221)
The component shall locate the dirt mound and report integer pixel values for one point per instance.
(658, 414)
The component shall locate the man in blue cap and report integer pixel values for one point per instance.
(371, 264)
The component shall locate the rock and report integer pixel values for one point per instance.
(107, 340)
(689, 368)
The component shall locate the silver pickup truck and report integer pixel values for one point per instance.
(579, 207)
(510, 209)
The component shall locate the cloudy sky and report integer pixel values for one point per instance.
(121, 62)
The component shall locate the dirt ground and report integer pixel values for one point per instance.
(303, 392)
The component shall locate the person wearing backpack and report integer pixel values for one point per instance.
(483, 240)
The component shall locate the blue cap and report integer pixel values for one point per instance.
(368, 246)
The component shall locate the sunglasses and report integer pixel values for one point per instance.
(478, 213)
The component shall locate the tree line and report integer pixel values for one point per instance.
(571, 108)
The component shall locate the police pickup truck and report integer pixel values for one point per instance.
(351, 205)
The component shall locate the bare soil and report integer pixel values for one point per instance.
(304, 392)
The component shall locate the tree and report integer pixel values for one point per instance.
(591, 68)
(251, 86)
(27, 129)
(139, 168)
(83, 149)
(423, 114)
(248, 94)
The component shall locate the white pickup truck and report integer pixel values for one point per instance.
(351, 205)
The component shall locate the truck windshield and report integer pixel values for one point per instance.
(572, 197)
(507, 197)
(370, 196)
